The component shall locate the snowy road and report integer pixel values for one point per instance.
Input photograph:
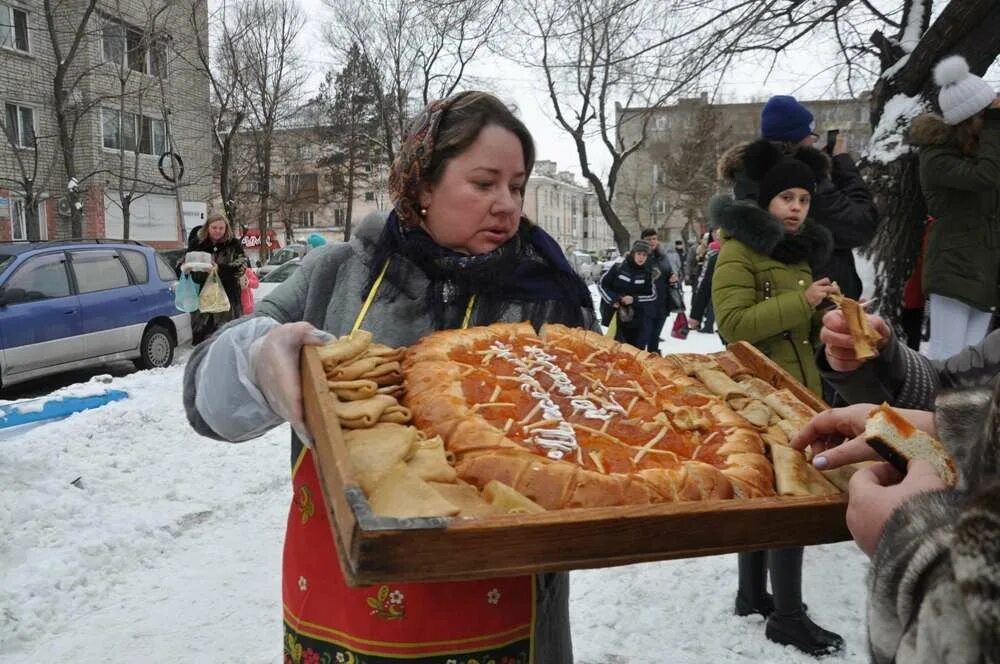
(167, 550)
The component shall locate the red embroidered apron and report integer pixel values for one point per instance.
(488, 621)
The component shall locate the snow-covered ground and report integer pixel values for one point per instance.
(129, 538)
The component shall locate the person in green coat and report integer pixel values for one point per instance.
(763, 292)
(959, 154)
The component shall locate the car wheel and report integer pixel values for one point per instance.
(156, 349)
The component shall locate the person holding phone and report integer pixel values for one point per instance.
(842, 203)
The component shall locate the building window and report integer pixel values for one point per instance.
(662, 123)
(339, 216)
(660, 206)
(19, 220)
(369, 195)
(19, 122)
(304, 218)
(137, 133)
(659, 175)
(13, 28)
(128, 47)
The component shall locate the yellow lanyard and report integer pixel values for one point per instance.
(371, 298)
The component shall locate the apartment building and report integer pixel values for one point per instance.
(648, 194)
(137, 112)
(566, 210)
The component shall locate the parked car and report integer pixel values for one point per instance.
(68, 304)
(280, 257)
(275, 278)
(585, 266)
(174, 258)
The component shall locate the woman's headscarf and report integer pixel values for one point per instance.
(413, 161)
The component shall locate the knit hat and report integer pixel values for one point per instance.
(775, 172)
(784, 119)
(962, 94)
(641, 245)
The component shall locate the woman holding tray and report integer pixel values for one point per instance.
(455, 252)
(763, 292)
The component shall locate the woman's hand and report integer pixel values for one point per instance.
(819, 290)
(836, 436)
(694, 324)
(274, 360)
(626, 299)
(877, 491)
(839, 345)
(840, 145)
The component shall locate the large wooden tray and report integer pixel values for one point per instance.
(376, 549)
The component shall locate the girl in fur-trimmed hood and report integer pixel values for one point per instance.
(763, 292)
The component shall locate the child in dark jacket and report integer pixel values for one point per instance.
(628, 289)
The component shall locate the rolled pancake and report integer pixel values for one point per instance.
(466, 498)
(430, 461)
(403, 495)
(794, 476)
(345, 348)
(720, 384)
(508, 500)
(373, 452)
(365, 413)
(353, 390)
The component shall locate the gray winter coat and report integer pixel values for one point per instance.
(935, 576)
(327, 291)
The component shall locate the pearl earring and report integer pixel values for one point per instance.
(423, 212)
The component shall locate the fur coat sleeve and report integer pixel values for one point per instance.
(935, 578)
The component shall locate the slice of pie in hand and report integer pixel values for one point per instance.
(898, 441)
(863, 335)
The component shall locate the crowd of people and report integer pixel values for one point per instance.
(456, 251)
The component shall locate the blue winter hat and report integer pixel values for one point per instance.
(784, 119)
(315, 240)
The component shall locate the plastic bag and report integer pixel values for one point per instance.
(681, 328)
(213, 296)
(246, 299)
(252, 280)
(186, 297)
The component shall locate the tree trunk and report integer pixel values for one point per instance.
(967, 28)
(126, 218)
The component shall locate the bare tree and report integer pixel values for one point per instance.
(416, 51)
(68, 28)
(597, 54)
(271, 80)
(219, 38)
(689, 166)
(34, 161)
(891, 45)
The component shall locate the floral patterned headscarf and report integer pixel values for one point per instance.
(410, 167)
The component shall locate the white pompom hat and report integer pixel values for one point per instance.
(962, 94)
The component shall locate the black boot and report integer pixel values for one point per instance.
(752, 595)
(789, 624)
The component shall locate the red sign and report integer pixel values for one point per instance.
(251, 239)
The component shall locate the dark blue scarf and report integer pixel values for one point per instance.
(528, 268)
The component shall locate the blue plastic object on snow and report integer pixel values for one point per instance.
(26, 412)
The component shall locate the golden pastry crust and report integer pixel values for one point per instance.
(570, 418)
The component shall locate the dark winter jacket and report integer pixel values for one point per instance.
(962, 259)
(843, 204)
(663, 270)
(702, 297)
(231, 261)
(759, 284)
(627, 278)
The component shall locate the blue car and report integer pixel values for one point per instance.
(68, 304)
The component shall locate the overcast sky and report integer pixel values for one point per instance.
(801, 73)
